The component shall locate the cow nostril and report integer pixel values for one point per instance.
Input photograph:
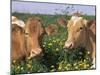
(68, 45)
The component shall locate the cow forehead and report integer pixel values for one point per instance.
(34, 19)
(75, 20)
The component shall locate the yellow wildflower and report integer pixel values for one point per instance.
(52, 66)
(88, 52)
(85, 66)
(57, 49)
(44, 42)
(22, 68)
(75, 64)
(54, 41)
(76, 67)
(66, 68)
(60, 66)
(14, 61)
(52, 70)
(57, 39)
(18, 67)
(43, 45)
(50, 44)
(28, 65)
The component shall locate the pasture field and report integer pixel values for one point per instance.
(55, 56)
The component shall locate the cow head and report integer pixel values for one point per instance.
(62, 22)
(18, 48)
(34, 31)
(51, 29)
(77, 27)
(76, 33)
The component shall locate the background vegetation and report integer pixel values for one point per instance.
(55, 57)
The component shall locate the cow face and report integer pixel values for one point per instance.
(62, 22)
(76, 33)
(51, 29)
(34, 31)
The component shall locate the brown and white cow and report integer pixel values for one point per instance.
(18, 46)
(81, 33)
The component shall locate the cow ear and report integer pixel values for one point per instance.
(61, 21)
(90, 22)
(85, 22)
(51, 29)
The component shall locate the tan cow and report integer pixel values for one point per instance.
(35, 30)
(81, 33)
(51, 29)
(18, 46)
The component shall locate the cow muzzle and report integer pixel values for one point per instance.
(35, 52)
(68, 45)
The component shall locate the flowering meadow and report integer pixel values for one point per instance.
(55, 58)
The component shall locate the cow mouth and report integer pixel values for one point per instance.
(35, 53)
(69, 45)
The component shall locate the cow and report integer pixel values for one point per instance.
(18, 47)
(51, 29)
(35, 31)
(81, 33)
(61, 21)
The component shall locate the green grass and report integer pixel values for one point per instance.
(55, 58)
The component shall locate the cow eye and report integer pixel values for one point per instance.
(81, 28)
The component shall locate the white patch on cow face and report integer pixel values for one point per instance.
(75, 19)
